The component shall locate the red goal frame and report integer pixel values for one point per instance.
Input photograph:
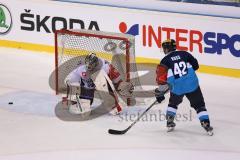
(77, 33)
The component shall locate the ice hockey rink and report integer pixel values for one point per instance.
(29, 128)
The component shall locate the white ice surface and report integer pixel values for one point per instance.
(30, 130)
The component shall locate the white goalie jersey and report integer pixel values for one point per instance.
(83, 76)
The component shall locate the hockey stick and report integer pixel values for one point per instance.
(119, 132)
(78, 102)
(115, 94)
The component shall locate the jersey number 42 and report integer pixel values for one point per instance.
(180, 69)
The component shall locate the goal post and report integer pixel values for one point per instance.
(71, 47)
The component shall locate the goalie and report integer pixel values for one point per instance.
(96, 75)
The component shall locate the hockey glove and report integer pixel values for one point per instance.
(160, 91)
(159, 96)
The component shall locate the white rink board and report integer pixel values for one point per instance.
(109, 19)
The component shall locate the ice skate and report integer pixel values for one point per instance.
(170, 123)
(207, 128)
(170, 126)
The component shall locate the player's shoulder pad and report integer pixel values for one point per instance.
(164, 61)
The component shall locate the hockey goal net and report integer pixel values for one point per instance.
(71, 47)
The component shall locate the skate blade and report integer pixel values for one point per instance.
(170, 129)
(210, 133)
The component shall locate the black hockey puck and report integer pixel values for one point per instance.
(10, 102)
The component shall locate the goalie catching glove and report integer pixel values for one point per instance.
(125, 89)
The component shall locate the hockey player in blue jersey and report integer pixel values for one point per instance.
(176, 72)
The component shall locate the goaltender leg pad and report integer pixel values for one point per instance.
(85, 103)
(100, 81)
(81, 107)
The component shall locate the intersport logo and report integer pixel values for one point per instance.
(192, 40)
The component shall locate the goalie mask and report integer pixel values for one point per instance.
(169, 45)
(91, 61)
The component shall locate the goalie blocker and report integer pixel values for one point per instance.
(96, 75)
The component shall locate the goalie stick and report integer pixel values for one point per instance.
(110, 84)
(120, 132)
(101, 80)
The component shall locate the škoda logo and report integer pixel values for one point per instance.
(5, 19)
